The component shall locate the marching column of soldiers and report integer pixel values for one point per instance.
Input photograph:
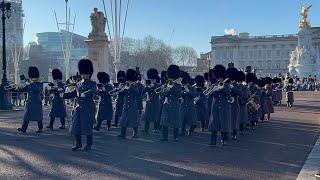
(228, 101)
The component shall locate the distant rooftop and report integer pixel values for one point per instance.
(15, 1)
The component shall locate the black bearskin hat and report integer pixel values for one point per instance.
(232, 73)
(291, 81)
(103, 77)
(206, 76)
(173, 72)
(219, 71)
(185, 77)
(85, 67)
(56, 74)
(241, 76)
(274, 80)
(163, 77)
(248, 69)
(268, 80)
(261, 82)
(121, 76)
(251, 77)
(22, 77)
(33, 72)
(199, 80)
(152, 73)
(131, 75)
(231, 65)
(158, 79)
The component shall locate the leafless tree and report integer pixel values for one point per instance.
(185, 56)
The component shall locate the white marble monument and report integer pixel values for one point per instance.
(304, 60)
(98, 44)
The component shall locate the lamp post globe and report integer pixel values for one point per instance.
(5, 98)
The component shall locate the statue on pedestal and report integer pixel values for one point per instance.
(304, 13)
(98, 23)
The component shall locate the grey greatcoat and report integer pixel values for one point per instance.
(289, 93)
(275, 94)
(220, 111)
(119, 104)
(201, 107)
(243, 110)
(152, 111)
(105, 109)
(253, 117)
(84, 110)
(235, 108)
(279, 91)
(34, 102)
(188, 112)
(130, 113)
(269, 100)
(58, 107)
(161, 105)
(140, 96)
(170, 115)
(263, 101)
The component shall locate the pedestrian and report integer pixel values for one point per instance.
(289, 93)
(170, 115)
(220, 110)
(188, 112)
(152, 110)
(84, 110)
(33, 110)
(130, 113)
(58, 106)
(105, 109)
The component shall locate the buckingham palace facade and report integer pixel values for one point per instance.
(269, 54)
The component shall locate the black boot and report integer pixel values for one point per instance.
(135, 132)
(241, 129)
(123, 132)
(89, 143)
(175, 134)
(213, 141)
(50, 126)
(97, 127)
(224, 138)
(40, 127)
(252, 125)
(108, 125)
(63, 123)
(78, 143)
(234, 134)
(116, 120)
(268, 118)
(164, 133)
(146, 128)
(291, 105)
(21, 130)
(288, 104)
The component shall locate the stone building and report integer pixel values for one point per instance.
(269, 54)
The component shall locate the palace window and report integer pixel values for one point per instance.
(269, 53)
(260, 53)
(278, 53)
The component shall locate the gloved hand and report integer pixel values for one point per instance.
(231, 86)
(60, 90)
(196, 99)
(82, 95)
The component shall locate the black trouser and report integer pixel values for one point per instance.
(79, 142)
(165, 132)
(116, 119)
(124, 130)
(99, 122)
(156, 126)
(183, 129)
(224, 136)
(26, 123)
(242, 126)
(62, 119)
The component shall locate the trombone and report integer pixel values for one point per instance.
(11, 87)
(219, 84)
(126, 85)
(166, 86)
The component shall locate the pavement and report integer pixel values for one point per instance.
(277, 149)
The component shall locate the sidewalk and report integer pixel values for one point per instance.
(312, 164)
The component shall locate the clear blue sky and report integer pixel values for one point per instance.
(194, 21)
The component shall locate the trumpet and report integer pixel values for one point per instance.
(168, 85)
(160, 89)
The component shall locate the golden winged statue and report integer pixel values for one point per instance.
(304, 13)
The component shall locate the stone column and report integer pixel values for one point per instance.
(99, 55)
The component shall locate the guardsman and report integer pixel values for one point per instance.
(84, 111)
(289, 93)
(105, 109)
(139, 96)
(170, 115)
(220, 111)
(269, 100)
(163, 81)
(243, 100)
(152, 110)
(33, 110)
(121, 79)
(235, 88)
(188, 113)
(253, 91)
(263, 99)
(58, 107)
(130, 113)
(201, 101)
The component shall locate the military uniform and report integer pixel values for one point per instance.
(58, 107)
(105, 109)
(243, 109)
(188, 110)
(201, 108)
(289, 93)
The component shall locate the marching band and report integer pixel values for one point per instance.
(222, 100)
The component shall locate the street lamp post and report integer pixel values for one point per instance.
(5, 101)
(209, 62)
